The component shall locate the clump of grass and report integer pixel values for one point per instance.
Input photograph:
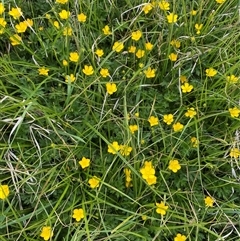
(119, 120)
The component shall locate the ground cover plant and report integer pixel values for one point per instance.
(119, 120)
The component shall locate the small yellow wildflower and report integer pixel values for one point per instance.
(136, 35)
(186, 88)
(161, 208)
(148, 173)
(125, 150)
(67, 31)
(211, 72)
(190, 112)
(234, 112)
(111, 88)
(180, 237)
(193, 12)
(29, 22)
(99, 53)
(94, 182)
(183, 79)
(113, 148)
(136, 114)
(85, 162)
(133, 128)
(140, 53)
(46, 233)
(88, 70)
(2, 8)
(104, 73)
(3, 23)
(70, 78)
(82, 17)
(150, 73)
(118, 46)
(209, 201)
(64, 14)
(176, 43)
(141, 65)
(16, 13)
(78, 214)
(106, 30)
(147, 8)
(132, 49)
(220, 1)
(235, 153)
(168, 119)
(231, 78)
(177, 127)
(74, 57)
(164, 5)
(148, 46)
(198, 27)
(172, 18)
(48, 16)
(56, 24)
(153, 121)
(64, 62)
(43, 71)
(194, 141)
(4, 191)
(173, 57)
(15, 39)
(174, 165)
(128, 178)
(61, 1)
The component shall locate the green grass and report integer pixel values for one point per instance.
(48, 124)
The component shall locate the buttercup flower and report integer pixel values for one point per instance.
(85, 162)
(148, 173)
(172, 18)
(111, 88)
(190, 112)
(88, 70)
(194, 141)
(64, 14)
(150, 73)
(161, 208)
(172, 57)
(235, 152)
(118, 46)
(43, 71)
(46, 233)
(211, 72)
(3, 23)
(234, 112)
(186, 88)
(178, 127)
(21, 27)
(140, 53)
(99, 53)
(2, 8)
(136, 35)
(15, 39)
(113, 148)
(220, 1)
(67, 31)
(29, 22)
(193, 12)
(147, 8)
(209, 201)
(4, 191)
(78, 214)
(125, 150)
(164, 5)
(64, 62)
(198, 27)
(82, 17)
(174, 166)
(128, 178)
(148, 46)
(74, 57)
(153, 121)
(56, 24)
(183, 79)
(61, 1)
(168, 119)
(16, 13)
(231, 78)
(132, 49)
(70, 78)
(180, 237)
(104, 73)
(176, 43)
(133, 128)
(106, 30)
(94, 182)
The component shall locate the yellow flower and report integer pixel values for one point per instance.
(141, 65)
(153, 120)
(132, 49)
(67, 31)
(2, 8)
(136, 114)
(64, 14)
(172, 18)
(104, 73)
(70, 78)
(168, 119)
(3, 23)
(106, 30)
(198, 27)
(174, 166)
(190, 112)
(176, 43)
(43, 71)
(82, 17)
(235, 152)
(148, 46)
(147, 8)
(193, 12)
(186, 88)
(125, 150)
(194, 141)
(118, 46)
(136, 35)
(4, 191)
(172, 57)
(148, 173)
(40, 28)
(85, 162)
(220, 1)
(177, 127)
(113, 148)
(88, 70)
(150, 73)
(211, 72)
(46, 233)
(140, 53)
(15, 39)
(133, 128)
(48, 16)
(128, 178)
(74, 57)
(164, 5)
(21, 27)
(234, 112)
(208, 201)
(180, 237)
(64, 62)
(56, 24)
(16, 13)
(183, 79)
(161, 208)
(99, 53)
(144, 217)
(111, 88)
(61, 1)
(29, 22)
(78, 214)
(94, 182)
(231, 78)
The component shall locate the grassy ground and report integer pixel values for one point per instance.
(119, 120)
